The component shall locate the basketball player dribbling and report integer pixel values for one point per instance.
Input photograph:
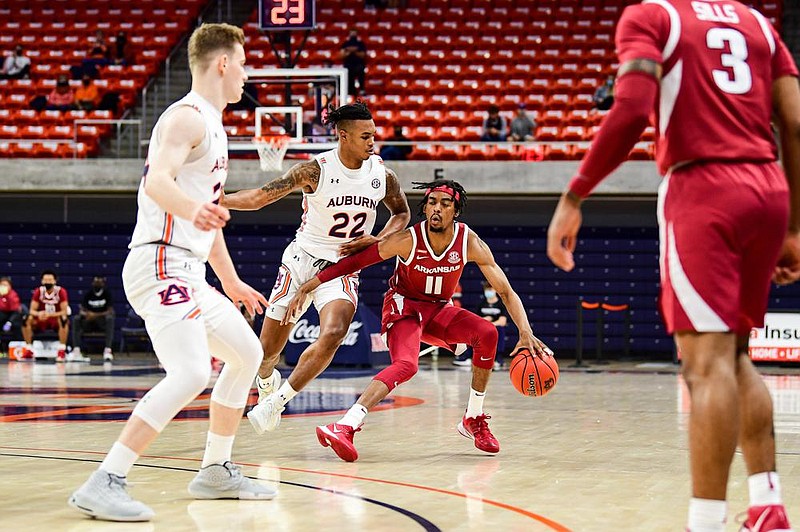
(179, 228)
(341, 191)
(715, 73)
(431, 256)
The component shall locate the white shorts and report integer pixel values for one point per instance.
(165, 284)
(296, 268)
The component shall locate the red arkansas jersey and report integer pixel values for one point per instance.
(425, 276)
(719, 61)
(49, 302)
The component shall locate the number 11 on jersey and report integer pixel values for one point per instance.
(433, 284)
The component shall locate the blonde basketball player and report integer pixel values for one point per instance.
(179, 228)
(341, 191)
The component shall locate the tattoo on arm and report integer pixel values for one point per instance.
(304, 175)
(395, 199)
(646, 66)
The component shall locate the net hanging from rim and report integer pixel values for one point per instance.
(271, 151)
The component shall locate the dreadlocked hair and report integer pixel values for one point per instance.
(460, 203)
(351, 111)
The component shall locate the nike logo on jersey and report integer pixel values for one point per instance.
(486, 358)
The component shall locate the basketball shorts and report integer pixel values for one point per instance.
(721, 230)
(47, 324)
(165, 285)
(297, 267)
(432, 317)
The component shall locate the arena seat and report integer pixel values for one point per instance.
(56, 35)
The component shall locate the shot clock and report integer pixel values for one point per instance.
(280, 15)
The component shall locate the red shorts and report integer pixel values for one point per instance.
(721, 230)
(433, 317)
(49, 324)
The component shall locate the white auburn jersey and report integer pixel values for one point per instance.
(202, 177)
(343, 207)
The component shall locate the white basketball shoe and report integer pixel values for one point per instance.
(226, 481)
(104, 496)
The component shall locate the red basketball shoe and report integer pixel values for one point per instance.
(61, 355)
(340, 439)
(476, 428)
(767, 518)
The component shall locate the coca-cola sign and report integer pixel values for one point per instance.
(304, 332)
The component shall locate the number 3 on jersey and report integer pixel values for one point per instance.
(739, 79)
(339, 230)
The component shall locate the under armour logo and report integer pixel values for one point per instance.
(334, 181)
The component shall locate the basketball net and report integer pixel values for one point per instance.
(271, 151)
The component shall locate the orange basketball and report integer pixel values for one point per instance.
(531, 375)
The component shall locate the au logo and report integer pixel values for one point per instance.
(174, 295)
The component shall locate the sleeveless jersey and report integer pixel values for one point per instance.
(50, 302)
(201, 177)
(343, 207)
(425, 276)
(719, 61)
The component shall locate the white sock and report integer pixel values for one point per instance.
(765, 489)
(286, 393)
(355, 416)
(218, 449)
(266, 384)
(119, 460)
(62, 347)
(707, 515)
(475, 403)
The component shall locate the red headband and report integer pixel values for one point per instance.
(445, 189)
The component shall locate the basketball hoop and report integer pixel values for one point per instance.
(271, 151)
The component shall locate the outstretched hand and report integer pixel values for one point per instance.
(562, 235)
(357, 244)
(787, 270)
(240, 292)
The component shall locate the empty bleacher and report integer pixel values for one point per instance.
(57, 35)
(436, 65)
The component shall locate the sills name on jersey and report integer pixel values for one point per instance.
(220, 164)
(437, 269)
(355, 201)
(715, 12)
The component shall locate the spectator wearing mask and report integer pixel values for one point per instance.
(522, 126)
(49, 310)
(61, 98)
(491, 309)
(16, 65)
(96, 315)
(354, 59)
(495, 127)
(120, 56)
(11, 310)
(87, 96)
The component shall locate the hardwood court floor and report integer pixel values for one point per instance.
(604, 451)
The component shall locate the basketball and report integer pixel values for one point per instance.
(532, 376)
